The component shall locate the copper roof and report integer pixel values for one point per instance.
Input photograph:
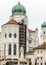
(31, 30)
(42, 46)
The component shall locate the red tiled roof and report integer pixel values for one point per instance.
(42, 46)
(31, 30)
(12, 21)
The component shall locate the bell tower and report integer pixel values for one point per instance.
(43, 32)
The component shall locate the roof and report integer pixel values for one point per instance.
(19, 9)
(43, 24)
(42, 46)
(12, 21)
(31, 30)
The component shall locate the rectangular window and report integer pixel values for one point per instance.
(41, 58)
(9, 51)
(38, 58)
(14, 49)
(29, 61)
(4, 49)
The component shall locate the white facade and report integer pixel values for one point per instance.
(40, 55)
(7, 29)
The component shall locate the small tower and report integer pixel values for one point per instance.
(43, 32)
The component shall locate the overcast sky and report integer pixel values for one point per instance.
(36, 11)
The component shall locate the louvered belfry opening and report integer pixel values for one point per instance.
(22, 36)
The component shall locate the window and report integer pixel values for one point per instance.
(29, 61)
(41, 63)
(45, 63)
(30, 41)
(9, 51)
(41, 51)
(4, 48)
(14, 49)
(38, 58)
(5, 35)
(38, 51)
(41, 58)
(15, 35)
(10, 35)
(44, 32)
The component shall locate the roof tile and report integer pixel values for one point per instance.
(31, 30)
(42, 46)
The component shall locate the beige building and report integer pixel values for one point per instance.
(40, 54)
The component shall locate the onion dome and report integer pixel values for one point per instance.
(18, 9)
(43, 24)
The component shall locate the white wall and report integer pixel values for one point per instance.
(6, 29)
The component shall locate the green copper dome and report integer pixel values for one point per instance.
(43, 25)
(19, 9)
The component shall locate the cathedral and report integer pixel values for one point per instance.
(20, 45)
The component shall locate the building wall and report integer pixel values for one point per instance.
(6, 29)
(32, 59)
(40, 53)
(33, 39)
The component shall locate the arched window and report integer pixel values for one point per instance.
(14, 49)
(10, 35)
(15, 35)
(5, 35)
(44, 32)
(9, 51)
